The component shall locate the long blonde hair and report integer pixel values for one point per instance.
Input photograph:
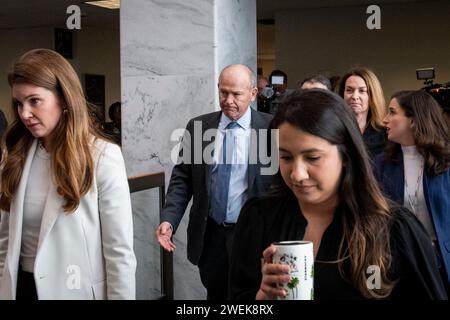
(72, 162)
(377, 103)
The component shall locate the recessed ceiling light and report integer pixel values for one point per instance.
(109, 4)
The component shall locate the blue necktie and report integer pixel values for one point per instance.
(220, 198)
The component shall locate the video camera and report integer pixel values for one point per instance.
(440, 92)
(270, 93)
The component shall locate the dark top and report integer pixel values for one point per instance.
(263, 104)
(375, 140)
(269, 219)
(275, 103)
(3, 123)
(113, 131)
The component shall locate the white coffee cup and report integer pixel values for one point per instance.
(299, 255)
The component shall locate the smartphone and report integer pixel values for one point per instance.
(277, 80)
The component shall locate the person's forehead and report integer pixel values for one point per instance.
(236, 71)
(355, 79)
(235, 79)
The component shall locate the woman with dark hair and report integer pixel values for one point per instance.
(414, 171)
(362, 91)
(326, 193)
(66, 228)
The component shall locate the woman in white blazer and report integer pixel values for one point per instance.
(66, 228)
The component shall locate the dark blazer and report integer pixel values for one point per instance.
(375, 140)
(436, 189)
(194, 181)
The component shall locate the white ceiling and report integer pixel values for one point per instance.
(33, 13)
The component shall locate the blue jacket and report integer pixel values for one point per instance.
(436, 188)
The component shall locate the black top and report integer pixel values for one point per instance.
(3, 122)
(269, 219)
(113, 131)
(375, 140)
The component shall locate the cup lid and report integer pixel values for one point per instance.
(291, 243)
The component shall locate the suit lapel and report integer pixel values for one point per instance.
(252, 168)
(394, 172)
(52, 209)
(16, 211)
(210, 123)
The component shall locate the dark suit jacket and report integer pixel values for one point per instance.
(190, 180)
(436, 189)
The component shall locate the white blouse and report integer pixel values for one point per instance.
(414, 198)
(34, 204)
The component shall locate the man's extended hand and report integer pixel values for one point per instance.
(164, 234)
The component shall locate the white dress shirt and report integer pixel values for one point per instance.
(237, 192)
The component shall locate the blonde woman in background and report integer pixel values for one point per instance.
(363, 93)
(66, 227)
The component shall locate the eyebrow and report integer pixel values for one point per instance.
(232, 91)
(363, 87)
(27, 97)
(303, 151)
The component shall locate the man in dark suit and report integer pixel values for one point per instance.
(220, 187)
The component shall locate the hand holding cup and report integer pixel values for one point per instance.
(273, 276)
(299, 256)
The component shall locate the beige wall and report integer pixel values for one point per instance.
(14, 42)
(96, 51)
(266, 48)
(331, 40)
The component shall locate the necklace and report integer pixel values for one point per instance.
(414, 200)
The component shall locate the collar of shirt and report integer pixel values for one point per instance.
(244, 131)
(244, 121)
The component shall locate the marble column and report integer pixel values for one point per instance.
(172, 52)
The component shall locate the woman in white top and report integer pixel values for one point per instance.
(414, 170)
(66, 228)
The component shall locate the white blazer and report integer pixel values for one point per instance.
(87, 254)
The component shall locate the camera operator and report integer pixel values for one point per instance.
(440, 92)
(262, 84)
(276, 92)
